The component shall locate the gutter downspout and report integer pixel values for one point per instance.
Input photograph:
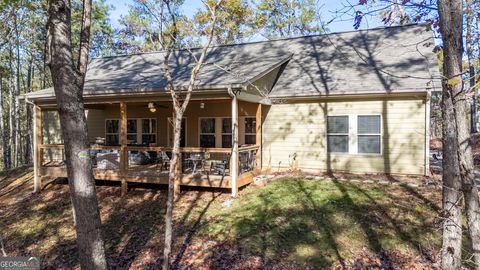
(35, 150)
(427, 133)
(234, 156)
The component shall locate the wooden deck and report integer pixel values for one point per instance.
(152, 176)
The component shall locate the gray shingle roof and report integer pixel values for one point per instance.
(391, 59)
(368, 61)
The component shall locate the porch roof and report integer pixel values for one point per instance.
(143, 73)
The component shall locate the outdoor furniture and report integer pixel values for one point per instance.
(108, 160)
(221, 166)
(163, 160)
(247, 161)
(196, 158)
(139, 158)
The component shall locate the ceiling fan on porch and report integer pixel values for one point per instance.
(152, 107)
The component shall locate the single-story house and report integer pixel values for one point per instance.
(355, 101)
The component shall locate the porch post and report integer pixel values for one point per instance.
(37, 153)
(234, 156)
(123, 146)
(258, 139)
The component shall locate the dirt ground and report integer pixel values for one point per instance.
(291, 223)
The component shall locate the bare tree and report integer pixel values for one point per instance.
(180, 100)
(457, 151)
(68, 81)
(2, 126)
(469, 44)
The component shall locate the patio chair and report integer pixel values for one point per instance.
(220, 167)
(163, 160)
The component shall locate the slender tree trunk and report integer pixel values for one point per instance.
(17, 94)
(29, 138)
(177, 126)
(465, 154)
(2, 126)
(11, 116)
(44, 66)
(451, 28)
(68, 86)
(471, 70)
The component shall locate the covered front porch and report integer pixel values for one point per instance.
(131, 141)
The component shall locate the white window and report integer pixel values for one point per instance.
(132, 131)
(226, 132)
(354, 134)
(337, 134)
(111, 132)
(207, 132)
(139, 131)
(250, 130)
(369, 134)
(149, 131)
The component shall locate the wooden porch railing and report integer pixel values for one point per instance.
(54, 155)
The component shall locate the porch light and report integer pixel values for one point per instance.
(151, 107)
(202, 105)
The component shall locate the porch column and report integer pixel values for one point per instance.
(234, 156)
(123, 146)
(258, 139)
(37, 153)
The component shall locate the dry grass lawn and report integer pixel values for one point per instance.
(292, 223)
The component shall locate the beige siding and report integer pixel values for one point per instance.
(95, 124)
(301, 128)
(51, 133)
(263, 85)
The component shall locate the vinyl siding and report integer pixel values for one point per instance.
(301, 128)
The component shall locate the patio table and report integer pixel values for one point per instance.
(195, 159)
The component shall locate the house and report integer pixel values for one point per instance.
(354, 101)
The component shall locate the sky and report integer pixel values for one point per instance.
(328, 12)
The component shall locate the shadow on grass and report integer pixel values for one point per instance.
(316, 224)
(290, 223)
(42, 225)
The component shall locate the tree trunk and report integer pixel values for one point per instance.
(29, 138)
(465, 154)
(471, 70)
(11, 116)
(2, 126)
(177, 126)
(179, 109)
(68, 86)
(17, 155)
(451, 29)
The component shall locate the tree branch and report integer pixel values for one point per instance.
(84, 41)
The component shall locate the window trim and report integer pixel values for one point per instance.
(170, 130)
(109, 133)
(216, 131)
(245, 134)
(136, 132)
(348, 134)
(353, 135)
(221, 131)
(380, 134)
(140, 128)
(139, 132)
